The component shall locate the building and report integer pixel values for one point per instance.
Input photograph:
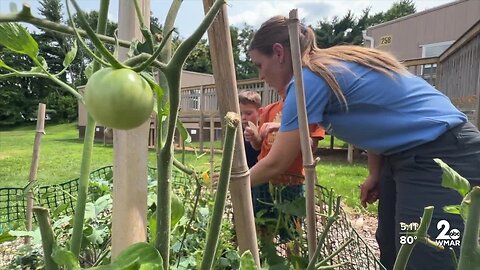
(442, 45)
(424, 34)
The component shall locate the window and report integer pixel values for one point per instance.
(428, 72)
(435, 49)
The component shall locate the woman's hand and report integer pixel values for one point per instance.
(369, 190)
(268, 127)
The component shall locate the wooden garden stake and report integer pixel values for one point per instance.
(308, 162)
(223, 69)
(39, 131)
(129, 216)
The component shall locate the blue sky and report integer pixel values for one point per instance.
(252, 12)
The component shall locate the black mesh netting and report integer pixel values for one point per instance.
(62, 197)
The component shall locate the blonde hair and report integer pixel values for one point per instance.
(275, 30)
(250, 97)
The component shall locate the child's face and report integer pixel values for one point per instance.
(249, 112)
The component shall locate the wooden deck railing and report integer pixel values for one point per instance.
(456, 72)
(203, 98)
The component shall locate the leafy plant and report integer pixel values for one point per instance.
(469, 209)
(18, 40)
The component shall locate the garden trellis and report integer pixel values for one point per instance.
(61, 198)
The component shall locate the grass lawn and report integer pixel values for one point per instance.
(61, 152)
(60, 155)
(325, 143)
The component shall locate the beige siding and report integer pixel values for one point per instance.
(441, 24)
(190, 78)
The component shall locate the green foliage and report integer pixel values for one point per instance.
(17, 39)
(141, 256)
(348, 29)
(451, 179)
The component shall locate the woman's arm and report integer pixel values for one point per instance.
(370, 188)
(284, 150)
(375, 163)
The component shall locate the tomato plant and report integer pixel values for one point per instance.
(118, 98)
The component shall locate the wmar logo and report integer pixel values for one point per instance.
(447, 237)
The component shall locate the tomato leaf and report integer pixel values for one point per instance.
(465, 206)
(152, 222)
(177, 210)
(70, 56)
(155, 87)
(452, 209)
(40, 68)
(65, 257)
(89, 70)
(6, 237)
(247, 262)
(16, 38)
(295, 207)
(451, 179)
(184, 135)
(137, 256)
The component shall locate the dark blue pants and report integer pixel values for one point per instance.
(411, 180)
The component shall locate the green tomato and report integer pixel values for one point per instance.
(118, 98)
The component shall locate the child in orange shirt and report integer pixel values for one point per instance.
(288, 186)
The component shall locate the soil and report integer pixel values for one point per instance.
(366, 225)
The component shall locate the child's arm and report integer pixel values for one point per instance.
(253, 137)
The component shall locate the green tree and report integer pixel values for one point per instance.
(398, 9)
(53, 47)
(199, 59)
(16, 98)
(244, 66)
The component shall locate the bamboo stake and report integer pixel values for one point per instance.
(129, 216)
(39, 132)
(308, 162)
(212, 148)
(223, 69)
(350, 153)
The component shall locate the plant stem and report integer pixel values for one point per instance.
(25, 16)
(165, 57)
(82, 192)
(187, 46)
(232, 120)
(164, 155)
(405, 251)
(77, 233)
(48, 241)
(139, 13)
(83, 45)
(44, 75)
(182, 167)
(95, 40)
(138, 59)
(470, 249)
(154, 56)
(164, 165)
(336, 252)
(198, 192)
(330, 220)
